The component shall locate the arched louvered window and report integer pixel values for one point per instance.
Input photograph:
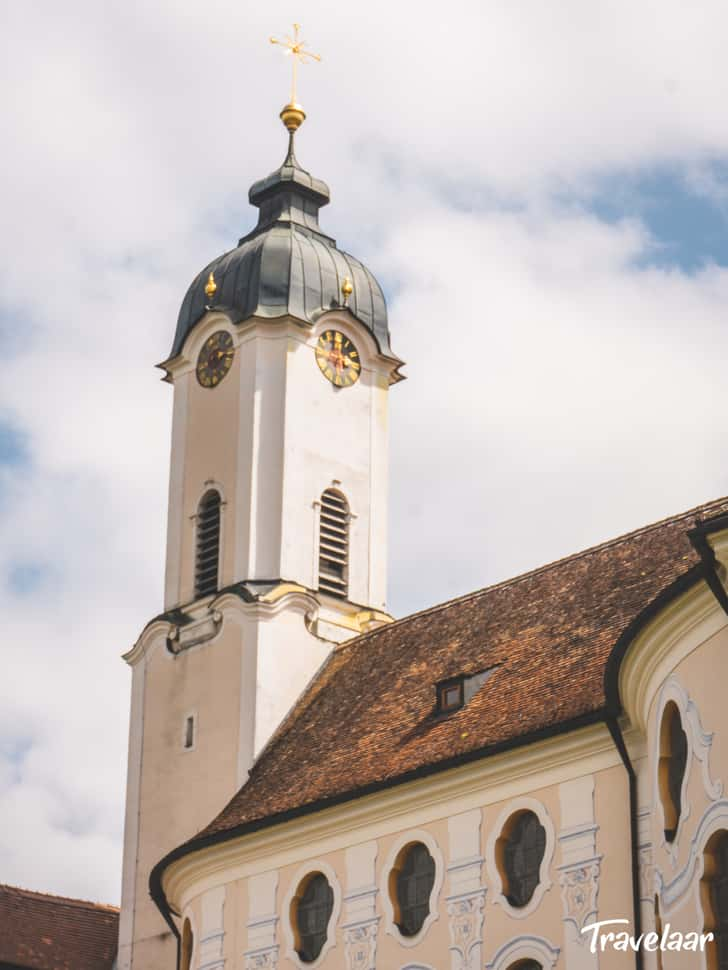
(334, 544)
(313, 908)
(520, 850)
(207, 560)
(673, 762)
(714, 894)
(413, 878)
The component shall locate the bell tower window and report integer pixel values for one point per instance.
(334, 544)
(207, 561)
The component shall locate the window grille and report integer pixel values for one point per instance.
(312, 917)
(334, 544)
(673, 762)
(208, 544)
(415, 879)
(523, 853)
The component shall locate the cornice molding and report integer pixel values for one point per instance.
(150, 636)
(673, 634)
(489, 780)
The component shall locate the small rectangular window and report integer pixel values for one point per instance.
(450, 695)
(190, 731)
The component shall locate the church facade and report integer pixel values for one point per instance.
(475, 786)
(531, 777)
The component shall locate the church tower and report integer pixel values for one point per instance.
(277, 527)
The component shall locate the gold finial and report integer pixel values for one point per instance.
(347, 289)
(210, 286)
(293, 114)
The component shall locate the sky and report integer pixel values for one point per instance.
(542, 190)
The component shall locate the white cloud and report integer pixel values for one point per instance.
(559, 391)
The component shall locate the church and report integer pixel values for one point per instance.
(314, 784)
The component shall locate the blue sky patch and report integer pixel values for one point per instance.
(13, 449)
(687, 214)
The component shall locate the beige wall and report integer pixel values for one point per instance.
(580, 788)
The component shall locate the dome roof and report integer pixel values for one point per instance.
(286, 265)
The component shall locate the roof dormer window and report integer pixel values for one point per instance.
(450, 695)
(456, 692)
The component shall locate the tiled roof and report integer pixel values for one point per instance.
(369, 718)
(46, 932)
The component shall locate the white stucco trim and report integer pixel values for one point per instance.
(524, 804)
(674, 893)
(699, 744)
(314, 866)
(525, 948)
(714, 820)
(405, 839)
(677, 630)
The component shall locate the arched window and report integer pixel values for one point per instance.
(714, 894)
(673, 762)
(312, 908)
(519, 854)
(526, 965)
(187, 942)
(411, 883)
(207, 559)
(334, 544)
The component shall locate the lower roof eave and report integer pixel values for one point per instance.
(205, 841)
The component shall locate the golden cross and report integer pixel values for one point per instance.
(297, 50)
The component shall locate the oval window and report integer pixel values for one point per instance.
(520, 851)
(312, 906)
(411, 883)
(671, 772)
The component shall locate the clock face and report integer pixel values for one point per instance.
(338, 358)
(216, 358)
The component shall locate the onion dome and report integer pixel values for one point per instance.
(286, 266)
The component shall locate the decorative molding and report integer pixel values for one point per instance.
(360, 945)
(579, 892)
(361, 924)
(404, 839)
(192, 634)
(672, 893)
(262, 959)
(212, 932)
(677, 630)
(647, 873)
(483, 782)
(262, 949)
(544, 878)
(525, 948)
(699, 745)
(315, 865)
(465, 916)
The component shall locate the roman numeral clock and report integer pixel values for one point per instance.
(338, 358)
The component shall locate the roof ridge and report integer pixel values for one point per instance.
(62, 900)
(544, 567)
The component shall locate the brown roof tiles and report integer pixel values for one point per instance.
(44, 932)
(369, 717)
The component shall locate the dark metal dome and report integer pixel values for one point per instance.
(286, 265)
